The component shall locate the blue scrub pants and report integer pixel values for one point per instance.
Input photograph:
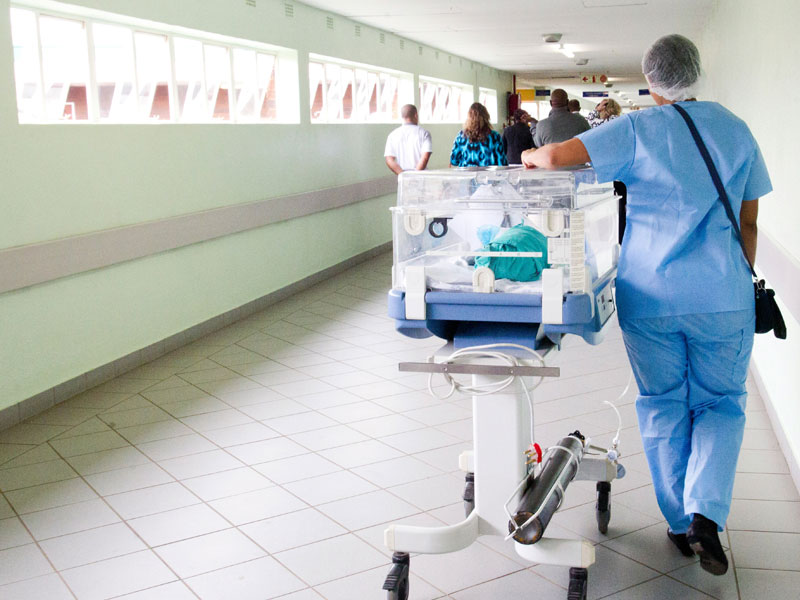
(691, 372)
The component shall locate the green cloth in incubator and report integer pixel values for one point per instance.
(520, 238)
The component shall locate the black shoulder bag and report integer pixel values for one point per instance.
(768, 315)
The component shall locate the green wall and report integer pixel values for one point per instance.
(65, 180)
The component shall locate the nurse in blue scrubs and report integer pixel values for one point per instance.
(684, 290)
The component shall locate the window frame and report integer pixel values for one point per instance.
(284, 63)
(430, 115)
(357, 116)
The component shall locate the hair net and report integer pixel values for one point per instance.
(672, 67)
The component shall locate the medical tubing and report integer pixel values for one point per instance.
(615, 441)
(489, 351)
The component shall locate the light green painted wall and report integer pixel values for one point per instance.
(62, 180)
(750, 53)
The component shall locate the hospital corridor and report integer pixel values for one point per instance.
(243, 360)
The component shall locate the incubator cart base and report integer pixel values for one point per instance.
(494, 468)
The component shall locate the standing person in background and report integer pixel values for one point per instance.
(478, 145)
(684, 291)
(574, 106)
(517, 137)
(561, 125)
(408, 147)
(606, 110)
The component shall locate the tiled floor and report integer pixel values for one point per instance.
(265, 460)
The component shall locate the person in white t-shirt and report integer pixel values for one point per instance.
(409, 146)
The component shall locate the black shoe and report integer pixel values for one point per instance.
(704, 540)
(679, 539)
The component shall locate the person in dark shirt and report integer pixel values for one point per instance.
(574, 106)
(518, 137)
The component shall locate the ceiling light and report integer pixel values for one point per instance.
(581, 61)
(565, 51)
(551, 38)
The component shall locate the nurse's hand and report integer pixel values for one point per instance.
(528, 159)
(552, 156)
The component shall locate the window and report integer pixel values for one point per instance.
(488, 98)
(443, 101)
(345, 92)
(95, 67)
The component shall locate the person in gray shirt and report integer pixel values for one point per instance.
(561, 125)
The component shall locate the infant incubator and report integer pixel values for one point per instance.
(501, 263)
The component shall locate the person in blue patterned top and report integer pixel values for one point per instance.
(478, 145)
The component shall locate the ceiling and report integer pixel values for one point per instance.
(507, 34)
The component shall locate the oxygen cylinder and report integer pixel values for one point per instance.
(560, 467)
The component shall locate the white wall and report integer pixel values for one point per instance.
(751, 55)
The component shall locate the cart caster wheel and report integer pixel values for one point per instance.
(469, 494)
(396, 584)
(578, 584)
(603, 506)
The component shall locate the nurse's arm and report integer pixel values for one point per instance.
(552, 156)
(747, 224)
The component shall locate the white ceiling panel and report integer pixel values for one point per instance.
(507, 34)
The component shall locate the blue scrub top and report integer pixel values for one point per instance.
(680, 255)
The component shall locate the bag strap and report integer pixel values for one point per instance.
(723, 195)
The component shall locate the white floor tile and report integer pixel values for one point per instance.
(295, 468)
(361, 453)
(22, 562)
(329, 399)
(663, 587)
(91, 546)
(330, 437)
(176, 446)
(216, 420)
(651, 547)
(610, 573)
(331, 559)
(137, 416)
(273, 409)
(365, 584)
(209, 552)
(386, 425)
(179, 524)
(13, 533)
(433, 492)
(419, 440)
(762, 461)
(765, 486)
(292, 530)
(241, 434)
(176, 590)
(266, 450)
(396, 471)
(327, 488)
(49, 495)
(459, 570)
(258, 505)
(152, 500)
(227, 483)
(367, 510)
(118, 576)
(757, 584)
(766, 550)
(298, 423)
(128, 478)
(722, 587)
(36, 474)
(69, 519)
(151, 432)
(87, 444)
(20, 455)
(764, 515)
(107, 460)
(258, 579)
(196, 406)
(516, 585)
(46, 586)
(196, 465)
